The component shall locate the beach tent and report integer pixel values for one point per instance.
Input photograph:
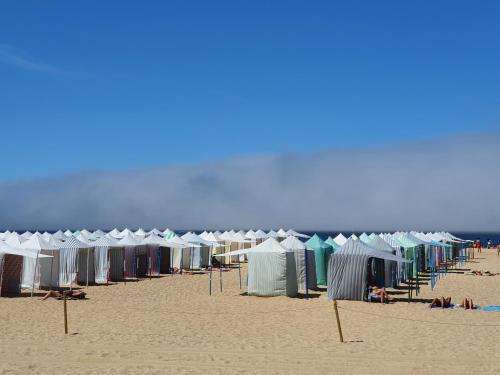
(364, 237)
(322, 252)
(11, 267)
(272, 234)
(384, 271)
(115, 233)
(98, 234)
(40, 272)
(59, 235)
(15, 239)
(348, 270)
(282, 234)
(68, 233)
(158, 252)
(340, 239)
(260, 235)
(199, 256)
(108, 259)
(77, 259)
(180, 252)
(330, 241)
(4, 235)
(305, 264)
(27, 234)
(140, 233)
(291, 232)
(271, 269)
(135, 256)
(252, 236)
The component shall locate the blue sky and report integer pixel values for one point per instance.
(119, 85)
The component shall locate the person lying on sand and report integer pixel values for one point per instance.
(441, 302)
(70, 294)
(382, 293)
(481, 273)
(467, 304)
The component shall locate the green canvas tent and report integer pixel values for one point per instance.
(322, 252)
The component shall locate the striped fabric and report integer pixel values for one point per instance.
(272, 274)
(11, 267)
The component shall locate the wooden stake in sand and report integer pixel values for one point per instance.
(338, 320)
(65, 315)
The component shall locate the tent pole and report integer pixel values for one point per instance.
(51, 268)
(239, 269)
(220, 274)
(210, 263)
(34, 273)
(87, 281)
(307, 278)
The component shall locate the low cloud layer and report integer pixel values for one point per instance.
(452, 184)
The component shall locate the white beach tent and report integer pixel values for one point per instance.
(340, 239)
(260, 235)
(304, 262)
(27, 234)
(68, 233)
(98, 233)
(40, 272)
(115, 233)
(272, 234)
(282, 233)
(199, 256)
(77, 261)
(11, 267)
(180, 253)
(252, 236)
(59, 235)
(15, 239)
(271, 269)
(140, 233)
(108, 259)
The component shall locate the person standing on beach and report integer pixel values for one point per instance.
(478, 246)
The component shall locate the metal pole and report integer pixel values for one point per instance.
(338, 320)
(88, 255)
(307, 276)
(210, 262)
(34, 273)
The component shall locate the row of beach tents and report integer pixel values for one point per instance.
(279, 262)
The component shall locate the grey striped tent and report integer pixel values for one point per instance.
(304, 262)
(389, 268)
(271, 269)
(348, 270)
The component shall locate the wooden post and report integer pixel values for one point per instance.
(338, 320)
(65, 315)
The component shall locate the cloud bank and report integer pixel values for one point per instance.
(451, 184)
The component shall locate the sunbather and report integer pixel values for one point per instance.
(375, 291)
(70, 294)
(467, 304)
(441, 302)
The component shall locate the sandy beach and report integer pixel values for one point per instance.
(171, 325)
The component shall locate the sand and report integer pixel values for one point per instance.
(171, 325)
